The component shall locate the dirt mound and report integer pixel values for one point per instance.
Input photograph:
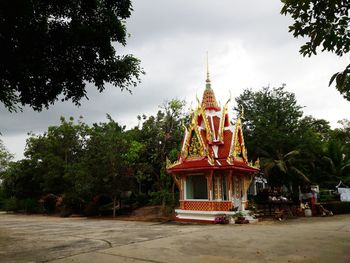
(147, 213)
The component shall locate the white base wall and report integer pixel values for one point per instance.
(202, 215)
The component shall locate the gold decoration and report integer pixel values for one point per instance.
(257, 163)
(194, 144)
(246, 183)
(211, 160)
(177, 181)
(170, 165)
(195, 149)
(222, 121)
(238, 148)
(201, 112)
(229, 160)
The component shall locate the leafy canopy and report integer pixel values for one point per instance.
(52, 49)
(271, 118)
(326, 24)
(5, 157)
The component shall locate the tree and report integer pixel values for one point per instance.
(343, 134)
(273, 133)
(282, 170)
(335, 164)
(271, 117)
(107, 160)
(326, 24)
(53, 49)
(57, 158)
(5, 157)
(161, 135)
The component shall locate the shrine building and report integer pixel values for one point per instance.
(212, 173)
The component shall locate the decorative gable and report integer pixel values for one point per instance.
(238, 149)
(211, 141)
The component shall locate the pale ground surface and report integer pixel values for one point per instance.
(52, 239)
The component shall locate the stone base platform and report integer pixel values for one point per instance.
(201, 216)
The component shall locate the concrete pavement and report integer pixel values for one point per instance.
(52, 239)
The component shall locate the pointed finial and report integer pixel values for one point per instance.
(208, 67)
(208, 85)
(242, 112)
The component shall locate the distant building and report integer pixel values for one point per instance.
(212, 173)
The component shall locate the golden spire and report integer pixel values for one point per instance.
(208, 79)
(209, 101)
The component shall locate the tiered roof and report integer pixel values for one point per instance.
(211, 141)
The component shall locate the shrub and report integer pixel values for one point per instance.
(49, 203)
(11, 204)
(29, 205)
(141, 199)
(337, 207)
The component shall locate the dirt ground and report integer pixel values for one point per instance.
(52, 239)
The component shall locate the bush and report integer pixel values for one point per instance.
(91, 209)
(11, 204)
(49, 203)
(337, 207)
(326, 196)
(164, 198)
(141, 199)
(69, 204)
(29, 205)
(157, 198)
(2, 198)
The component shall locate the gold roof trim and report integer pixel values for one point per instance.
(222, 121)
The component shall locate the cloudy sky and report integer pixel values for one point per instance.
(249, 47)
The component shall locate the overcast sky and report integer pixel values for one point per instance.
(249, 47)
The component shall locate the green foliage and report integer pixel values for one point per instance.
(72, 163)
(49, 203)
(326, 196)
(76, 168)
(142, 199)
(5, 157)
(30, 205)
(293, 150)
(335, 164)
(109, 159)
(338, 207)
(270, 123)
(54, 48)
(11, 204)
(162, 135)
(326, 24)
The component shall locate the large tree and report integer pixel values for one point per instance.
(272, 133)
(161, 135)
(52, 49)
(59, 153)
(271, 117)
(326, 25)
(108, 158)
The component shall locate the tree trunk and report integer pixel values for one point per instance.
(114, 205)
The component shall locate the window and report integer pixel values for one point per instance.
(224, 193)
(196, 187)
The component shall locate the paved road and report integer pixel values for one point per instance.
(61, 240)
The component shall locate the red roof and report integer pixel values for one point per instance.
(202, 164)
(211, 141)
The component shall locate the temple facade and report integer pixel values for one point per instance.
(212, 173)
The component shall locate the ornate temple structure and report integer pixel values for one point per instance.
(212, 173)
